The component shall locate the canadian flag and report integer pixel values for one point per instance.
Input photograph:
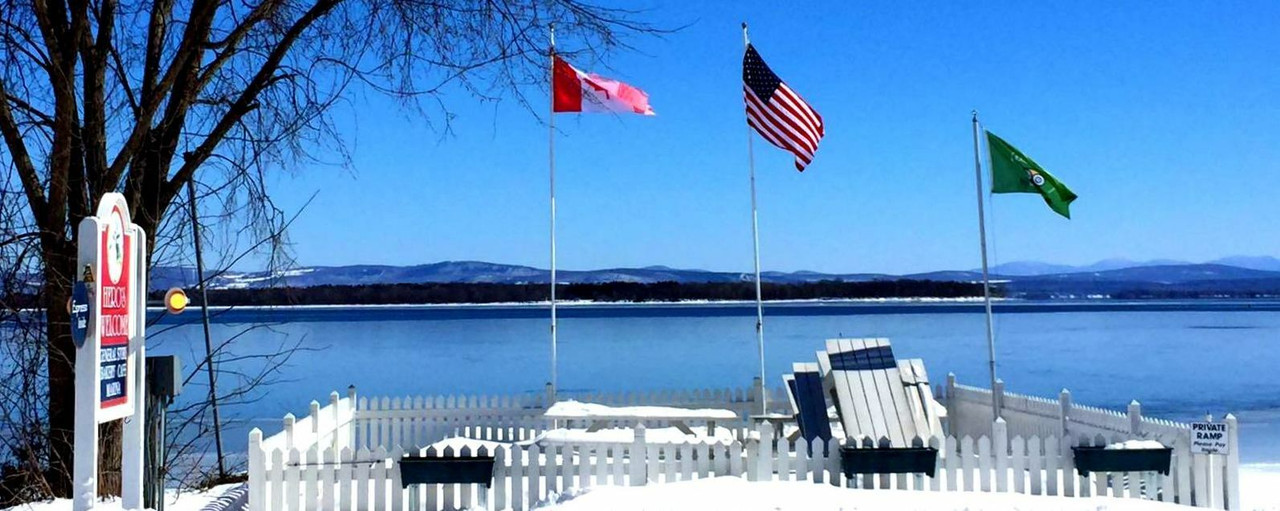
(576, 91)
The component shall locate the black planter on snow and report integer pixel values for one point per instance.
(1101, 459)
(888, 460)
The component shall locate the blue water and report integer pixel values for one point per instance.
(1179, 359)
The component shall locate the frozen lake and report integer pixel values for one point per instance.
(1179, 359)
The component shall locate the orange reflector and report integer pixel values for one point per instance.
(176, 300)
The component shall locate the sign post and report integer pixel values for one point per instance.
(109, 295)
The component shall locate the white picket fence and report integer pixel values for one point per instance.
(1202, 480)
(347, 457)
(418, 421)
(364, 479)
(367, 425)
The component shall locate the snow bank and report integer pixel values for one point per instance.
(578, 410)
(738, 494)
(174, 501)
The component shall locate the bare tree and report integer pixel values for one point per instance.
(142, 96)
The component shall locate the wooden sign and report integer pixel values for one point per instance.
(108, 308)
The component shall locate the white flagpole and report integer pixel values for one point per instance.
(755, 239)
(986, 280)
(551, 157)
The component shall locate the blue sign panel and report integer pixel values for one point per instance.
(80, 312)
(113, 370)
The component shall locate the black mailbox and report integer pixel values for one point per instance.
(164, 376)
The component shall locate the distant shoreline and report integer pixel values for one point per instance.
(592, 303)
(789, 308)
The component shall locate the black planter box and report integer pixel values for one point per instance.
(888, 460)
(1101, 459)
(438, 470)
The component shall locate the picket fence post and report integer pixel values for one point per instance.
(328, 478)
(257, 472)
(311, 478)
(1232, 481)
(950, 403)
(1000, 445)
(500, 475)
(763, 465)
(997, 394)
(638, 464)
(984, 463)
(352, 414)
(289, 420)
(338, 427)
(967, 462)
(344, 471)
(314, 411)
(518, 492)
(1201, 472)
(1135, 419)
(1064, 412)
(293, 480)
(757, 392)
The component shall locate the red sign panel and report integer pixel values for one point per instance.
(116, 261)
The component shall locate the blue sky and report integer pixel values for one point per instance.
(1163, 117)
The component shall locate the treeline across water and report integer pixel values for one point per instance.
(441, 293)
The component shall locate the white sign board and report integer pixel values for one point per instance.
(1209, 438)
(111, 272)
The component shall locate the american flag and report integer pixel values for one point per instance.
(777, 113)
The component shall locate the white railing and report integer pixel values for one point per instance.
(349, 457)
(1211, 480)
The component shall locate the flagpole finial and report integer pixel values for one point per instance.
(552, 27)
(975, 115)
(745, 39)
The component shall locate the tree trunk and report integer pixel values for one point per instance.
(60, 272)
(61, 366)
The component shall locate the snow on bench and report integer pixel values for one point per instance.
(601, 415)
(671, 435)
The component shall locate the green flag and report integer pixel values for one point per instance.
(1014, 172)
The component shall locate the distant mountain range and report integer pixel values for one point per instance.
(1029, 268)
(1238, 274)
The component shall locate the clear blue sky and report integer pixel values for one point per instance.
(1163, 117)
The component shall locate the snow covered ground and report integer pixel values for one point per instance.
(1259, 488)
(738, 494)
(174, 501)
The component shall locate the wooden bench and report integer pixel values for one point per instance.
(885, 405)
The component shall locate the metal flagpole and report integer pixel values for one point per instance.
(551, 158)
(755, 239)
(986, 280)
(204, 314)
